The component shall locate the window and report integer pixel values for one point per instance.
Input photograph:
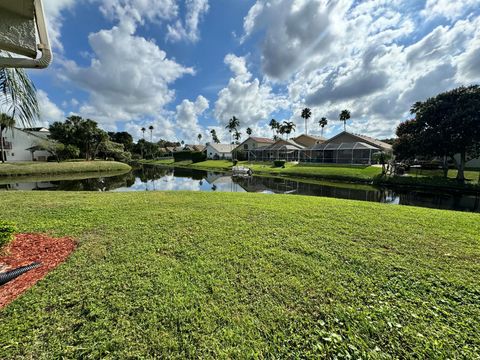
(245, 147)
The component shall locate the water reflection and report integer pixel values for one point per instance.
(155, 178)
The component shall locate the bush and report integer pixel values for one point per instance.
(194, 156)
(279, 163)
(7, 232)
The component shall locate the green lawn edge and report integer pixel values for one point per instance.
(67, 167)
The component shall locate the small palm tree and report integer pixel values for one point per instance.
(275, 126)
(6, 122)
(306, 114)
(232, 126)
(290, 126)
(151, 132)
(322, 123)
(344, 116)
(237, 135)
(199, 137)
(249, 131)
(214, 136)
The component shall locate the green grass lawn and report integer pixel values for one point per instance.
(42, 168)
(472, 176)
(226, 275)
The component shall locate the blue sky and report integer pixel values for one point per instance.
(188, 66)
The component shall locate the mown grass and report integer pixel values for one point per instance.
(471, 176)
(226, 275)
(43, 168)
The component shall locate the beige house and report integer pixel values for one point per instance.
(253, 143)
(309, 140)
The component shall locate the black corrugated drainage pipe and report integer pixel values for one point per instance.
(12, 274)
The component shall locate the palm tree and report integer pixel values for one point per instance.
(237, 135)
(18, 96)
(290, 126)
(232, 125)
(143, 131)
(6, 122)
(275, 126)
(199, 137)
(287, 127)
(214, 136)
(322, 123)
(151, 132)
(249, 131)
(306, 113)
(344, 116)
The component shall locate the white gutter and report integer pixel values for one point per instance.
(43, 47)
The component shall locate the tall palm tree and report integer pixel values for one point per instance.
(306, 114)
(249, 131)
(18, 96)
(344, 116)
(199, 137)
(275, 126)
(6, 122)
(143, 131)
(322, 123)
(151, 132)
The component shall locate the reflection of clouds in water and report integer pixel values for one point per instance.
(166, 183)
(172, 183)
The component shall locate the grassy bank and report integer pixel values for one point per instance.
(225, 275)
(331, 172)
(345, 173)
(53, 168)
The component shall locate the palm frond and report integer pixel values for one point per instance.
(18, 96)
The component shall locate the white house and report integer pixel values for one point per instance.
(219, 151)
(19, 144)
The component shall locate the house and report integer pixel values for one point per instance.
(219, 151)
(345, 148)
(280, 150)
(22, 144)
(309, 140)
(253, 143)
(199, 148)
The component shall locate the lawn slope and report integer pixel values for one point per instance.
(218, 275)
(53, 168)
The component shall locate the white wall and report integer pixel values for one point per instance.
(211, 152)
(21, 141)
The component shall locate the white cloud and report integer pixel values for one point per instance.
(365, 56)
(49, 112)
(128, 78)
(140, 10)
(449, 9)
(189, 30)
(186, 122)
(53, 13)
(246, 97)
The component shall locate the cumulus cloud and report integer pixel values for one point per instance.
(189, 29)
(365, 56)
(128, 77)
(186, 119)
(140, 10)
(49, 112)
(246, 97)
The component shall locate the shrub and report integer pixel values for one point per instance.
(194, 156)
(7, 232)
(235, 162)
(279, 163)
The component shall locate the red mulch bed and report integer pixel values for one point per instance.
(26, 249)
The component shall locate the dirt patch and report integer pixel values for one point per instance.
(26, 249)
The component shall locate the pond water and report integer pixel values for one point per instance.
(157, 178)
